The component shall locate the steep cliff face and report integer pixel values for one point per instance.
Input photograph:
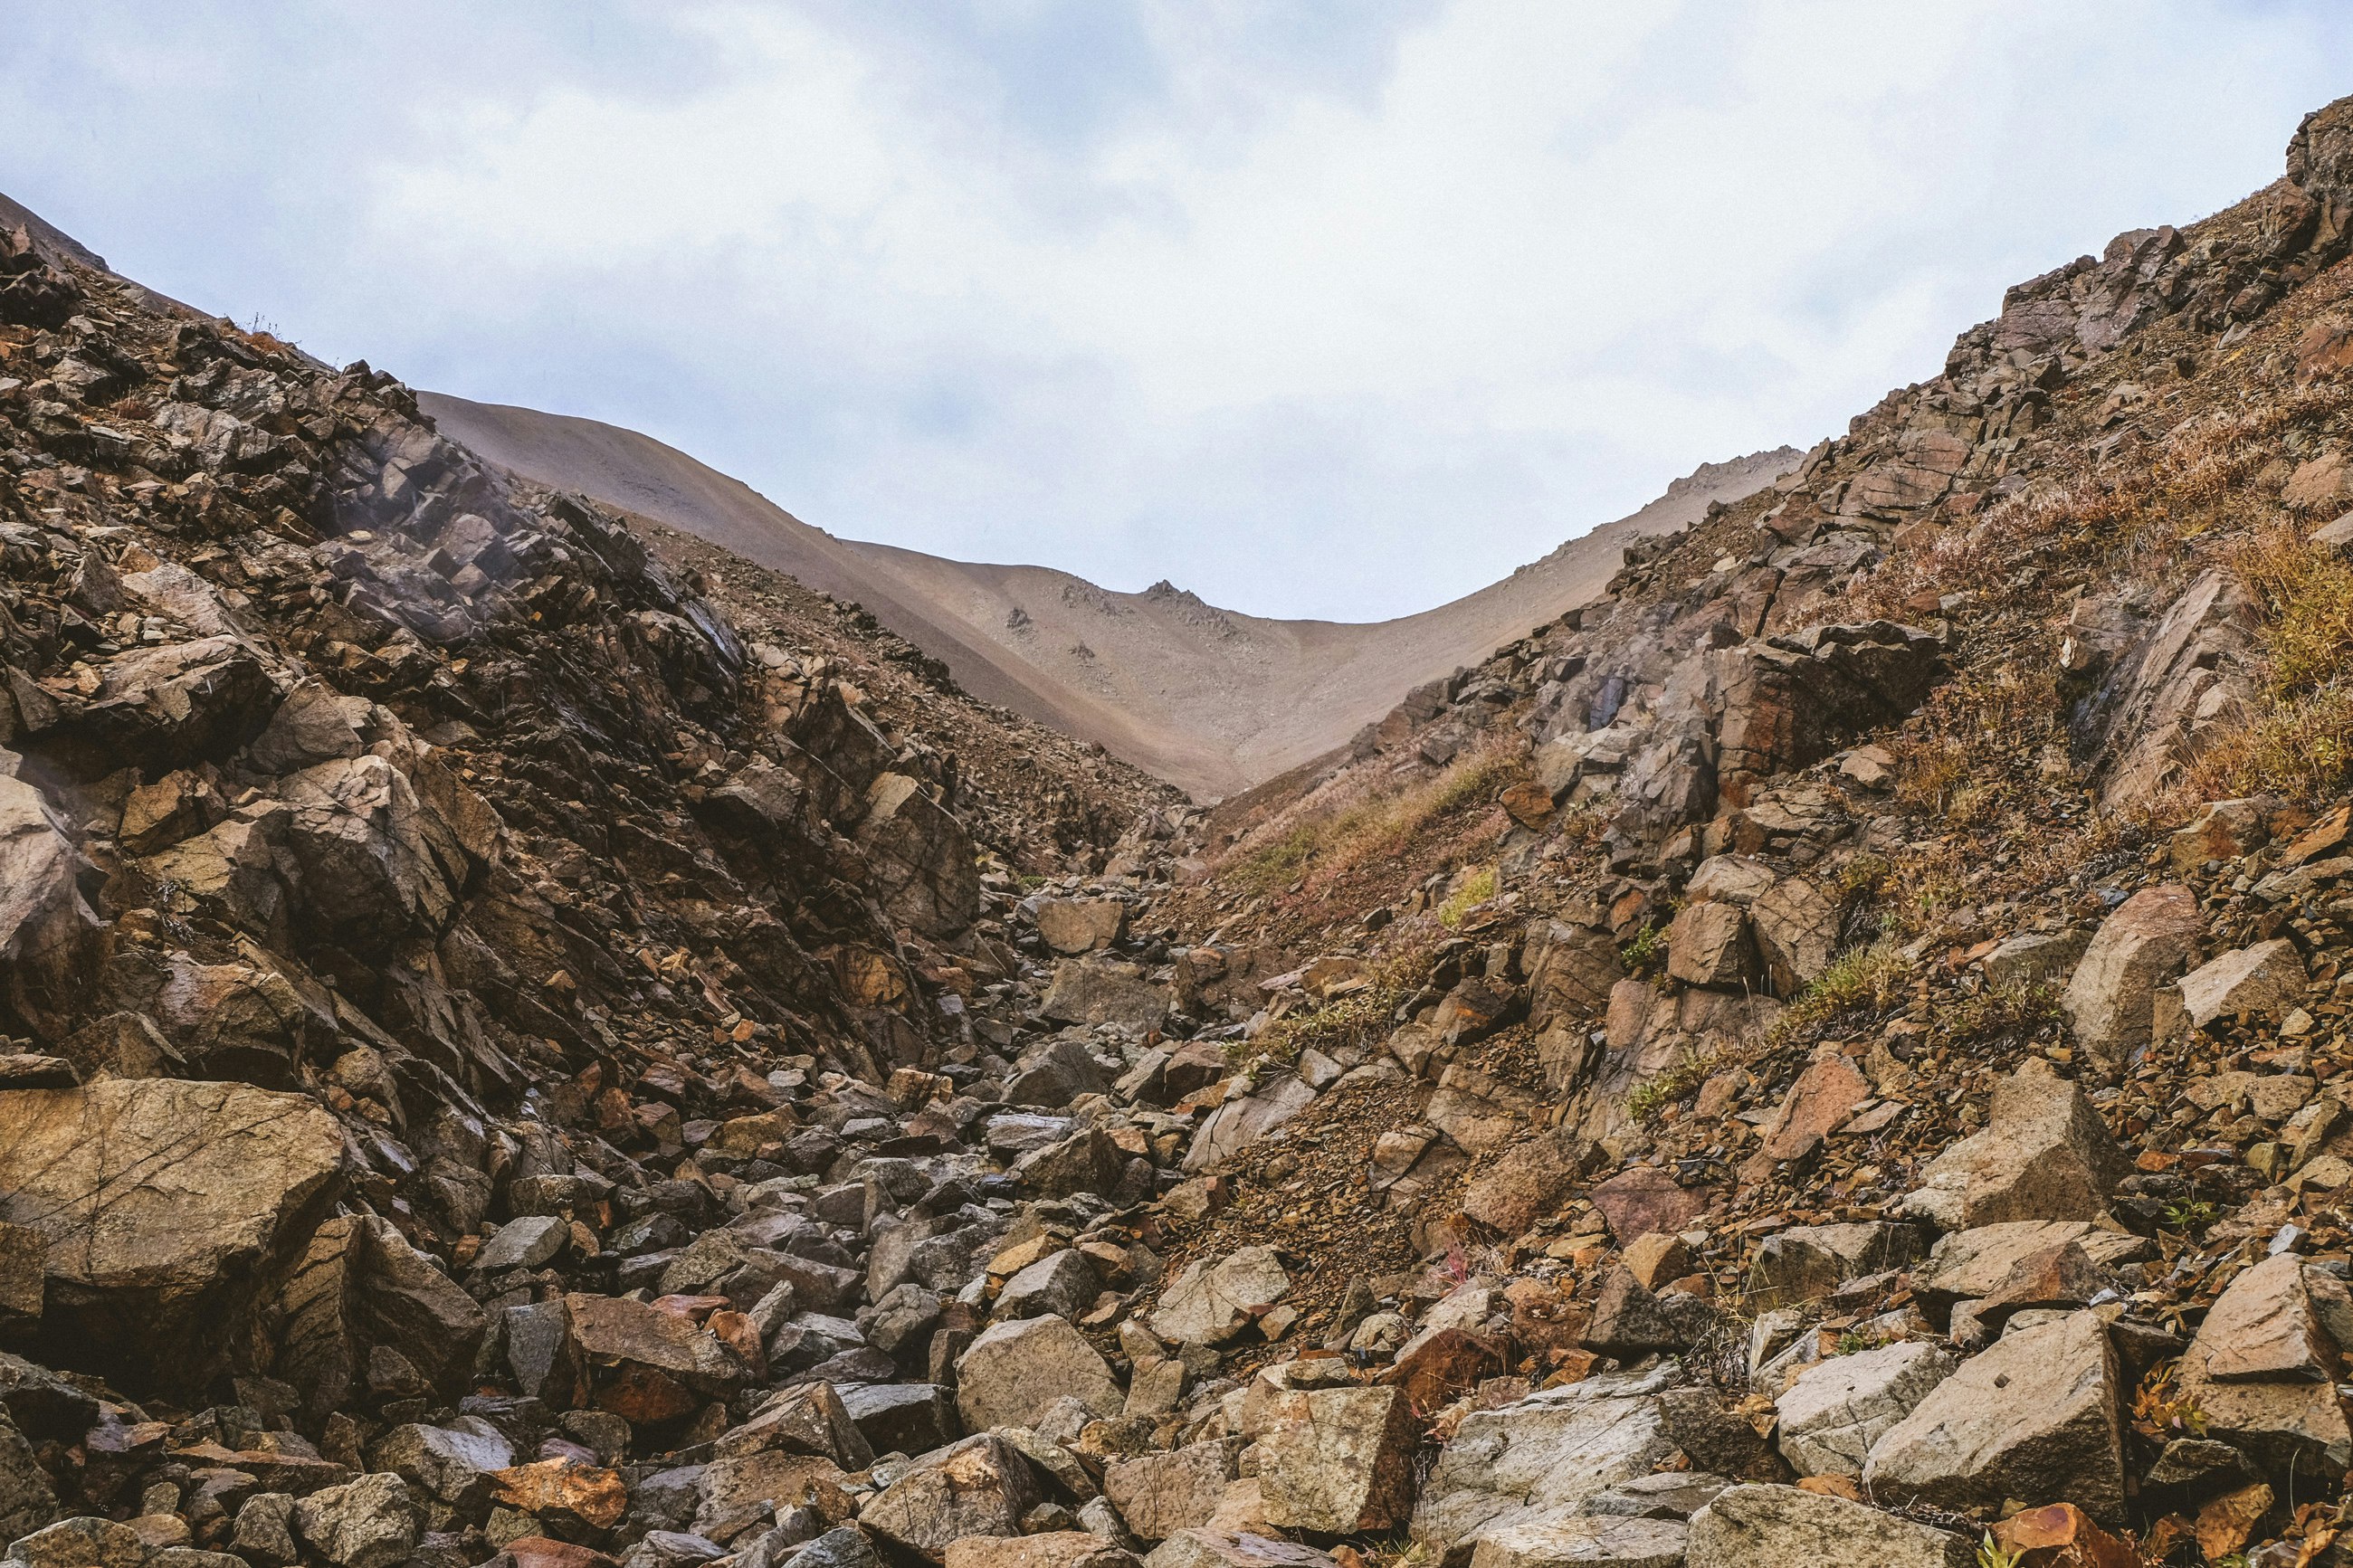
(546, 1042)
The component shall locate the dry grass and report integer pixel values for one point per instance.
(1872, 974)
(1476, 889)
(1330, 843)
(2300, 743)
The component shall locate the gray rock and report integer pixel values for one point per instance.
(264, 1532)
(1230, 1548)
(1338, 1460)
(28, 1500)
(2037, 1415)
(1160, 1494)
(1781, 1527)
(1838, 1409)
(1014, 1371)
(1542, 1457)
(2266, 981)
(453, 1463)
(1075, 926)
(1062, 1283)
(366, 1523)
(980, 1486)
(1104, 991)
(524, 1243)
(1239, 1123)
(2043, 1154)
(1586, 1541)
(2110, 997)
(1214, 1300)
(846, 1547)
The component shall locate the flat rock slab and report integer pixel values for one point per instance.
(1781, 1527)
(1540, 1458)
(1014, 1371)
(2037, 1415)
(158, 1200)
(1588, 1542)
(1839, 1408)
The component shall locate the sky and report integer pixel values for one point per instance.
(1335, 309)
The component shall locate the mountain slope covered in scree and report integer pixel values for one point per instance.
(537, 1040)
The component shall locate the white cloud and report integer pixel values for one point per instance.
(1317, 311)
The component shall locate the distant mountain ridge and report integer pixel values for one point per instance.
(1212, 699)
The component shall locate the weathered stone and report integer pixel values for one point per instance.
(736, 1491)
(1214, 1300)
(1526, 1183)
(2044, 1155)
(1234, 1549)
(1781, 1527)
(809, 1418)
(1817, 1105)
(1645, 1198)
(1629, 1322)
(82, 1542)
(1571, 969)
(1972, 1264)
(1054, 1072)
(1795, 925)
(2109, 999)
(2035, 958)
(1049, 1549)
(366, 1523)
(564, 1493)
(1838, 1408)
(1540, 1458)
(1160, 1494)
(1475, 1009)
(1239, 1123)
(1708, 944)
(1085, 1162)
(1016, 1370)
(919, 857)
(2224, 830)
(453, 1463)
(46, 924)
(28, 1499)
(2038, 1413)
(980, 1486)
(646, 1365)
(523, 1243)
(1104, 991)
(2265, 980)
(900, 1418)
(2051, 1279)
(1062, 1283)
(1807, 1262)
(314, 724)
(24, 1270)
(2263, 1329)
(1338, 1460)
(1073, 926)
(377, 859)
(160, 1200)
(264, 1531)
(1598, 1542)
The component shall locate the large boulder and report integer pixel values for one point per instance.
(1014, 1371)
(2320, 153)
(2265, 980)
(44, 923)
(1075, 926)
(1808, 1262)
(1104, 991)
(2039, 1415)
(1781, 1527)
(1160, 1494)
(1538, 1459)
(1602, 1541)
(1708, 944)
(376, 859)
(1338, 1460)
(167, 706)
(161, 1201)
(1795, 925)
(356, 1286)
(919, 857)
(645, 1364)
(2043, 1154)
(2111, 998)
(1239, 1123)
(2260, 1371)
(981, 1486)
(1213, 1301)
(1838, 1408)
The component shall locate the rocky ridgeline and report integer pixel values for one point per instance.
(529, 1054)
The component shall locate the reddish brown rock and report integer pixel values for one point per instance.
(1645, 1198)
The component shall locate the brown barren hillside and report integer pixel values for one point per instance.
(1212, 699)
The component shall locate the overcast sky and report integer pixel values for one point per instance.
(1336, 308)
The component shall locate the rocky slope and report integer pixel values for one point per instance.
(545, 1043)
(1212, 699)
